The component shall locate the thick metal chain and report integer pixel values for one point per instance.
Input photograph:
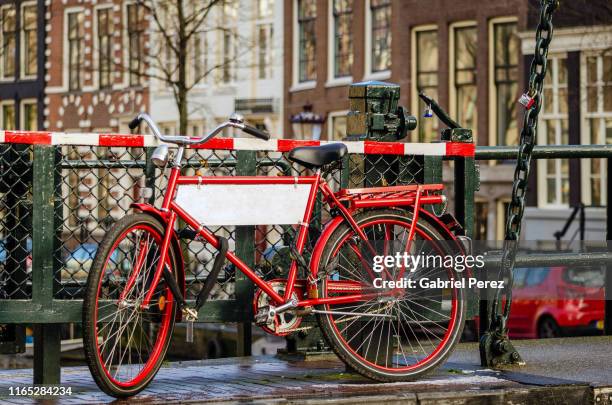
(516, 209)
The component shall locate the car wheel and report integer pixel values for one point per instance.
(548, 328)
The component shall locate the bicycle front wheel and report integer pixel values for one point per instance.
(125, 343)
(410, 331)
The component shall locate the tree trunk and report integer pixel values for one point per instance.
(181, 90)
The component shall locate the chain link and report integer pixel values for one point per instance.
(516, 209)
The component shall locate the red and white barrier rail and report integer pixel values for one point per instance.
(451, 149)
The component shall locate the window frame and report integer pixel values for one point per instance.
(22, 59)
(330, 121)
(600, 115)
(415, 100)
(226, 59)
(66, 43)
(332, 79)
(557, 117)
(4, 103)
(97, 49)
(369, 74)
(14, 76)
(265, 52)
(493, 90)
(297, 84)
(452, 87)
(22, 105)
(127, 78)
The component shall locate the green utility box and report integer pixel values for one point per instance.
(375, 114)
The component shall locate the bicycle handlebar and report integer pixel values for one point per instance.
(235, 121)
(256, 132)
(440, 113)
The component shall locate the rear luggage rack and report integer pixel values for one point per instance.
(394, 195)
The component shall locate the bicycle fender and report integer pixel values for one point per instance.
(175, 244)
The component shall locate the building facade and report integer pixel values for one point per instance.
(94, 57)
(473, 58)
(22, 66)
(91, 48)
(238, 55)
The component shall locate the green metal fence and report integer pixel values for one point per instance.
(56, 203)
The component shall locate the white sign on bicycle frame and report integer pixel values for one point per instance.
(245, 204)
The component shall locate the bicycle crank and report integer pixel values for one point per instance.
(281, 320)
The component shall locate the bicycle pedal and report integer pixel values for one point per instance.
(262, 317)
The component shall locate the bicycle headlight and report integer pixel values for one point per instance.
(160, 156)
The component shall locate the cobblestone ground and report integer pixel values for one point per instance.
(270, 380)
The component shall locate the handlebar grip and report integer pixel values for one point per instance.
(256, 132)
(134, 123)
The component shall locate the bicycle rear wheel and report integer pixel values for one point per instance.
(124, 343)
(396, 338)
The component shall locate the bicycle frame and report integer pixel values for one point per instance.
(170, 210)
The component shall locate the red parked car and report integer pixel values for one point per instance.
(555, 301)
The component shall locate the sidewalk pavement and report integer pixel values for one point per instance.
(558, 371)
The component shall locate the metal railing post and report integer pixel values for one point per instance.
(465, 189)
(246, 165)
(47, 338)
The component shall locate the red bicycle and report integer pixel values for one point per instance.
(136, 286)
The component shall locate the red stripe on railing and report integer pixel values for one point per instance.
(285, 145)
(28, 137)
(384, 148)
(460, 149)
(121, 140)
(216, 143)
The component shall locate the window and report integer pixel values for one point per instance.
(520, 273)
(228, 50)
(307, 13)
(265, 8)
(380, 14)
(264, 62)
(226, 70)
(198, 63)
(481, 219)
(503, 204)
(135, 28)
(8, 42)
(598, 122)
(426, 63)
(505, 74)
(29, 116)
(464, 76)
(104, 47)
(8, 116)
(585, 276)
(553, 130)
(536, 276)
(342, 36)
(30, 40)
(75, 50)
(337, 126)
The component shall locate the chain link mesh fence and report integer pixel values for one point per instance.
(95, 186)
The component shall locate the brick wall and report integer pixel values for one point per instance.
(91, 108)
